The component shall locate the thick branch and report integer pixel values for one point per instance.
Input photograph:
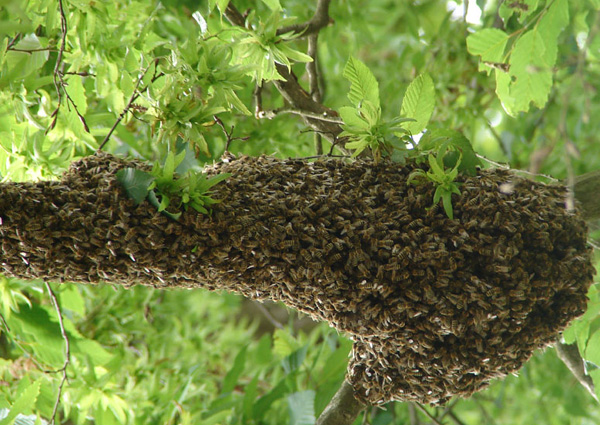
(349, 243)
(343, 407)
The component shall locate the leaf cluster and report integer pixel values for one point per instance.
(363, 123)
(523, 61)
(448, 152)
(162, 185)
(261, 48)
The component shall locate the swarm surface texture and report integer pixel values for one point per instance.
(436, 307)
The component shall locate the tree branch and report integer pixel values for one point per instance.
(326, 238)
(319, 20)
(569, 354)
(343, 407)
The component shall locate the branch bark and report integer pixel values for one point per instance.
(569, 354)
(343, 407)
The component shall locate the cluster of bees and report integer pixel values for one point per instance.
(436, 307)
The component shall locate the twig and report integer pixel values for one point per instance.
(507, 167)
(312, 70)
(3, 320)
(268, 315)
(59, 82)
(484, 412)
(569, 354)
(412, 414)
(448, 409)
(342, 409)
(136, 93)
(257, 95)
(455, 418)
(63, 332)
(42, 49)
(63, 29)
(229, 134)
(293, 93)
(426, 413)
(319, 20)
(305, 114)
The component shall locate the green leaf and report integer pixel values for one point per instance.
(292, 362)
(71, 299)
(418, 103)
(302, 408)
(76, 91)
(135, 182)
(154, 202)
(273, 5)
(447, 202)
(351, 118)
(489, 43)
(294, 55)
(550, 26)
(531, 72)
(203, 186)
(263, 404)
(232, 377)
(25, 401)
(592, 351)
(359, 146)
(432, 140)
(283, 343)
(250, 392)
(363, 85)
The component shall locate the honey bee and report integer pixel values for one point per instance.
(359, 223)
(305, 254)
(338, 244)
(235, 228)
(404, 254)
(415, 223)
(307, 211)
(472, 202)
(363, 270)
(421, 232)
(335, 258)
(354, 257)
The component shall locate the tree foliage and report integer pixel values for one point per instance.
(517, 81)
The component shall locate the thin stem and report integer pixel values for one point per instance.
(63, 332)
(136, 93)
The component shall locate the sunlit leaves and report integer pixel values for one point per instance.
(363, 85)
(162, 185)
(302, 407)
(363, 124)
(263, 48)
(456, 146)
(531, 71)
(22, 404)
(527, 75)
(489, 43)
(418, 103)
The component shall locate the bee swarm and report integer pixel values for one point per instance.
(436, 307)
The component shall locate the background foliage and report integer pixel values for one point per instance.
(519, 79)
